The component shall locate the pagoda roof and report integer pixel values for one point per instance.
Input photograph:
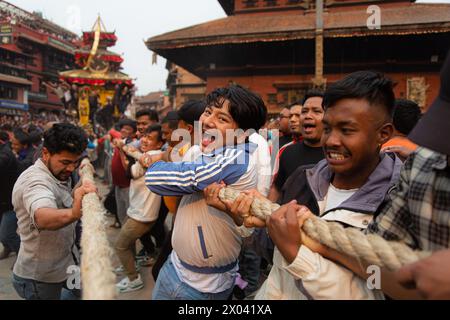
(81, 75)
(100, 52)
(413, 18)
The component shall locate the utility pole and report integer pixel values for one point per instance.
(318, 80)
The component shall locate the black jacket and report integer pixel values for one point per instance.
(9, 174)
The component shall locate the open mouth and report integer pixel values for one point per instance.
(308, 128)
(207, 139)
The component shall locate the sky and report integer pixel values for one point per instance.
(134, 21)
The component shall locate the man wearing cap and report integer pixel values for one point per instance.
(418, 211)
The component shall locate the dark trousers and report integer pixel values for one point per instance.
(34, 290)
(8, 231)
(249, 268)
(166, 249)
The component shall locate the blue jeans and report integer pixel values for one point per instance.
(170, 287)
(34, 290)
(8, 231)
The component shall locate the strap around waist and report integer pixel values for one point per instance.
(209, 270)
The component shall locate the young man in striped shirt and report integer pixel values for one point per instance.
(207, 241)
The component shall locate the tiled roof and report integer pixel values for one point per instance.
(152, 97)
(412, 18)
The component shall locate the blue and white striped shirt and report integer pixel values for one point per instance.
(205, 237)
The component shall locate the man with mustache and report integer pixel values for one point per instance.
(47, 213)
(306, 121)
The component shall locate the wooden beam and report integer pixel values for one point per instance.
(318, 80)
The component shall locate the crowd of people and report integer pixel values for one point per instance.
(353, 155)
(35, 22)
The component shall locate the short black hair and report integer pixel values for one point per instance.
(65, 137)
(295, 103)
(406, 115)
(191, 111)
(35, 137)
(171, 119)
(22, 136)
(312, 93)
(152, 114)
(127, 122)
(372, 86)
(155, 128)
(246, 107)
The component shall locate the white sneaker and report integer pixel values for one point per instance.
(128, 286)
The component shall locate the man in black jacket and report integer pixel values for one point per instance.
(9, 171)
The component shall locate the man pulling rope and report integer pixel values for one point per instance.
(370, 248)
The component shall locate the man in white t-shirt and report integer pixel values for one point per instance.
(142, 212)
(349, 187)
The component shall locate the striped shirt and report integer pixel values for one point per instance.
(204, 237)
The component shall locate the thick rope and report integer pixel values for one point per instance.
(370, 248)
(97, 276)
(136, 154)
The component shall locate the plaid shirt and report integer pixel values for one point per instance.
(418, 210)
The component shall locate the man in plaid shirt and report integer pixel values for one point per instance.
(428, 200)
(418, 212)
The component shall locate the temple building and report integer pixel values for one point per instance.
(270, 46)
(32, 52)
(183, 86)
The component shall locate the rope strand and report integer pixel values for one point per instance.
(97, 277)
(371, 248)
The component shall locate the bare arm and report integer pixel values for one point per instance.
(54, 219)
(274, 193)
(431, 276)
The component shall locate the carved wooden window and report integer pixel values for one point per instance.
(250, 3)
(272, 98)
(417, 90)
(271, 3)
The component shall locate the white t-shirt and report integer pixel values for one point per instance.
(144, 204)
(263, 165)
(335, 197)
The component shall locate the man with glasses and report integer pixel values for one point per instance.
(285, 130)
(47, 213)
